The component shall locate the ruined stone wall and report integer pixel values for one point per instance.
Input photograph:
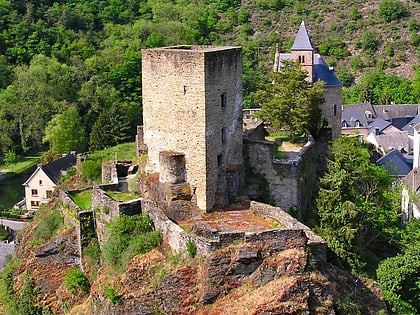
(316, 242)
(291, 182)
(106, 209)
(331, 109)
(192, 105)
(273, 240)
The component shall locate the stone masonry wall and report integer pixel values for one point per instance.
(290, 181)
(316, 242)
(272, 240)
(183, 92)
(331, 109)
(106, 209)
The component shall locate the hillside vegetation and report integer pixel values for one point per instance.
(71, 70)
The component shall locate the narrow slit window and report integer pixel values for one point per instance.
(223, 100)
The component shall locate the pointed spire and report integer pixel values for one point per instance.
(302, 39)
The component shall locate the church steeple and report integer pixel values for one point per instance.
(303, 51)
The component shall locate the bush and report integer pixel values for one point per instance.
(76, 281)
(391, 10)
(91, 169)
(129, 236)
(191, 249)
(47, 227)
(112, 295)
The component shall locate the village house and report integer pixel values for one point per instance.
(42, 182)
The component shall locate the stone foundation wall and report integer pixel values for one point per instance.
(317, 243)
(272, 240)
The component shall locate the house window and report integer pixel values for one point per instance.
(34, 192)
(223, 131)
(302, 59)
(49, 193)
(223, 100)
(40, 182)
(335, 109)
(219, 160)
(34, 203)
(357, 124)
(343, 124)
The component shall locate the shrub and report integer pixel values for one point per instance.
(47, 227)
(191, 249)
(111, 295)
(76, 281)
(50, 156)
(91, 169)
(129, 236)
(391, 10)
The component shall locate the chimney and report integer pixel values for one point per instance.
(376, 131)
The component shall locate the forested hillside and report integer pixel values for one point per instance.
(71, 76)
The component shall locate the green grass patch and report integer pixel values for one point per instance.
(125, 151)
(122, 196)
(83, 199)
(279, 153)
(278, 136)
(47, 227)
(20, 166)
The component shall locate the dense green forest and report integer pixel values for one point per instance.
(71, 70)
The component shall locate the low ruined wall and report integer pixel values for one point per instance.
(317, 243)
(273, 240)
(106, 209)
(70, 216)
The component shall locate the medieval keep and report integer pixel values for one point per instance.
(303, 51)
(192, 121)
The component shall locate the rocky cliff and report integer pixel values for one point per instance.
(239, 279)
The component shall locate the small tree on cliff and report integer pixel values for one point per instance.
(290, 102)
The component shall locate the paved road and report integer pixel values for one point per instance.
(14, 225)
(5, 249)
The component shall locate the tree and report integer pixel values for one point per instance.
(109, 129)
(290, 101)
(357, 205)
(65, 132)
(399, 278)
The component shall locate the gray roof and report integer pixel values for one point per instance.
(379, 123)
(397, 163)
(55, 168)
(388, 112)
(350, 116)
(411, 124)
(302, 39)
(412, 180)
(393, 140)
(321, 70)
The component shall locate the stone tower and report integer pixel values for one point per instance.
(192, 107)
(303, 51)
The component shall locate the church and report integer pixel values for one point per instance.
(317, 69)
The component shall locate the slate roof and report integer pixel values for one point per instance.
(397, 163)
(400, 122)
(302, 39)
(393, 140)
(410, 125)
(350, 116)
(379, 123)
(54, 169)
(388, 112)
(321, 70)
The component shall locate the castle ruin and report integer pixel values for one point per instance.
(192, 120)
